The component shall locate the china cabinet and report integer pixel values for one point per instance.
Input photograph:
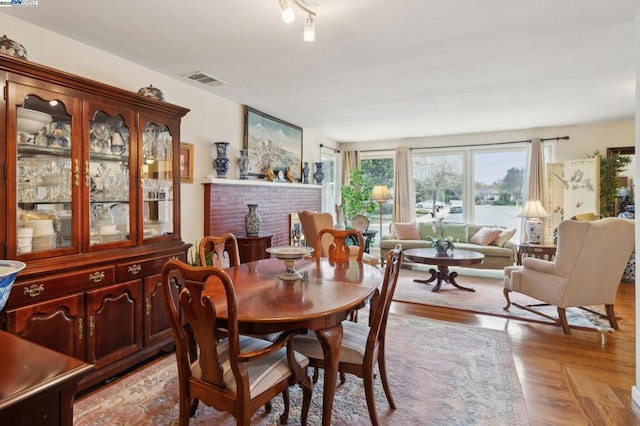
(93, 209)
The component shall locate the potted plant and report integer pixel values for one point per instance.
(610, 167)
(356, 197)
(441, 243)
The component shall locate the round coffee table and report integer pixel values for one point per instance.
(429, 256)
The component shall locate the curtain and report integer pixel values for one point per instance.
(535, 179)
(403, 202)
(350, 161)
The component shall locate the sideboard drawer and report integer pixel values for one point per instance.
(143, 268)
(51, 286)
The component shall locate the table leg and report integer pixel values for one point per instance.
(330, 340)
(442, 274)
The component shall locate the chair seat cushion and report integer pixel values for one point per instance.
(354, 343)
(263, 372)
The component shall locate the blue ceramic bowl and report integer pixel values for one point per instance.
(8, 272)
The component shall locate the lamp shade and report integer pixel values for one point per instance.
(533, 208)
(380, 193)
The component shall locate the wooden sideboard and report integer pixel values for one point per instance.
(253, 248)
(37, 385)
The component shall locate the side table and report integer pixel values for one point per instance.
(541, 251)
(253, 248)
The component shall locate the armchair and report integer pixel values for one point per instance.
(590, 259)
(312, 223)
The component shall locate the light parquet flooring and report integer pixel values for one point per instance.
(581, 379)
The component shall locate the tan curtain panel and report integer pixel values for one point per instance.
(535, 184)
(403, 202)
(350, 161)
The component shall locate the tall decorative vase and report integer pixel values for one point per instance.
(252, 221)
(243, 163)
(319, 174)
(305, 172)
(222, 161)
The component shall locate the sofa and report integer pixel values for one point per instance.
(498, 253)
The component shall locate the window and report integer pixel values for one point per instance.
(328, 157)
(477, 185)
(378, 168)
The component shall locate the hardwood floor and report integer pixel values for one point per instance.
(580, 379)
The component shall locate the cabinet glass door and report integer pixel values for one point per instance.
(47, 172)
(108, 178)
(157, 180)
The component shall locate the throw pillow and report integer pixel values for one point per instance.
(459, 232)
(485, 236)
(406, 231)
(505, 235)
(425, 229)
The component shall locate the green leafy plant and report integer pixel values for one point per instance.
(356, 197)
(193, 256)
(610, 168)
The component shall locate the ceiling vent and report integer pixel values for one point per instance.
(204, 78)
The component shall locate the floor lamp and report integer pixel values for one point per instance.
(380, 194)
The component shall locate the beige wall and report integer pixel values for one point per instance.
(584, 139)
(211, 119)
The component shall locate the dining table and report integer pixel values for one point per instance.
(318, 301)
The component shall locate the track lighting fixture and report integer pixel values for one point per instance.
(288, 16)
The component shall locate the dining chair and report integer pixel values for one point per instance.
(312, 223)
(212, 251)
(334, 244)
(363, 345)
(231, 372)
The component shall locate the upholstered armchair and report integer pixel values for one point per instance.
(312, 223)
(589, 263)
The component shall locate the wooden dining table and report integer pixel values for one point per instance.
(319, 301)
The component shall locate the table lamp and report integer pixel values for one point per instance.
(533, 211)
(380, 194)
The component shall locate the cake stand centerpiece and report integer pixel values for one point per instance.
(289, 255)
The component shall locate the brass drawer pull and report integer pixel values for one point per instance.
(76, 172)
(96, 277)
(148, 306)
(92, 326)
(34, 290)
(80, 329)
(135, 269)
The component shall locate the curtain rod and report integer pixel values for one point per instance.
(328, 147)
(482, 144)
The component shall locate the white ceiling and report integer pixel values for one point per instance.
(382, 69)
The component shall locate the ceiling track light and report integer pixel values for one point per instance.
(289, 16)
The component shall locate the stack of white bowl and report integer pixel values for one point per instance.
(25, 236)
(44, 236)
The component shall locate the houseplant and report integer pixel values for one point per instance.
(610, 168)
(441, 243)
(356, 197)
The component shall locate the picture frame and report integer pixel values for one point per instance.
(186, 162)
(270, 140)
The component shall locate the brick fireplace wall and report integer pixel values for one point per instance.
(225, 206)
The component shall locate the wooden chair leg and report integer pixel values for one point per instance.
(611, 316)
(562, 316)
(382, 367)
(368, 391)
(284, 418)
(268, 407)
(316, 372)
(307, 390)
(506, 292)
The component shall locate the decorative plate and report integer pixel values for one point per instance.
(361, 223)
(12, 48)
(151, 92)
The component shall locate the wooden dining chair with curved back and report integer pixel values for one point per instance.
(230, 372)
(334, 244)
(212, 251)
(363, 345)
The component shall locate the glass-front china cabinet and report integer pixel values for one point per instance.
(92, 208)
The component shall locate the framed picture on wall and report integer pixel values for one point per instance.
(186, 162)
(271, 141)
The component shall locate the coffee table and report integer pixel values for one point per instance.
(430, 256)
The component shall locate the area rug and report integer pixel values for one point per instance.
(440, 374)
(488, 298)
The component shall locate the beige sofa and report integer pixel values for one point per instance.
(495, 257)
